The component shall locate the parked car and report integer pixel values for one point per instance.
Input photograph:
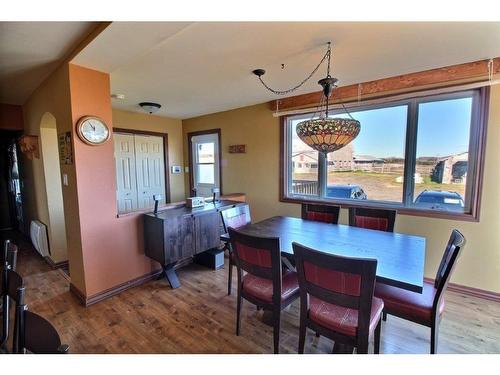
(345, 192)
(440, 200)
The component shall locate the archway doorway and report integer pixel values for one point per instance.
(56, 227)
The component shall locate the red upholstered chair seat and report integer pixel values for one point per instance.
(342, 319)
(368, 222)
(407, 304)
(324, 217)
(263, 288)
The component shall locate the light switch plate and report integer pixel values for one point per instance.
(175, 169)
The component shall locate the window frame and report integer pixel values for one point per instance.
(476, 150)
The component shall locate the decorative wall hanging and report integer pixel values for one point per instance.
(322, 132)
(237, 149)
(65, 149)
(29, 146)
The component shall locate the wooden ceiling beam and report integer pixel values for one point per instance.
(470, 72)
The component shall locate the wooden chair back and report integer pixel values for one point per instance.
(236, 217)
(341, 281)
(370, 218)
(323, 213)
(36, 335)
(453, 250)
(258, 256)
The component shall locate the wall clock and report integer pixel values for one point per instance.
(92, 130)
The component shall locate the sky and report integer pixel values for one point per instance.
(443, 129)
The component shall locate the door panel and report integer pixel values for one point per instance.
(207, 229)
(151, 177)
(205, 168)
(126, 185)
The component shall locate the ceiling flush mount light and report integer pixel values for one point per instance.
(321, 132)
(150, 107)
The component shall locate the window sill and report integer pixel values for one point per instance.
(401, 210)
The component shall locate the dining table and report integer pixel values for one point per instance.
(400, 257)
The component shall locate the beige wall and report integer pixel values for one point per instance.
(52, 96)
(256, 174)
(173, 127)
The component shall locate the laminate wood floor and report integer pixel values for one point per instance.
(199, 317)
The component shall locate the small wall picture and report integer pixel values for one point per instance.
(29, 146)
(176, 169)
(237, 149)
(65, 150)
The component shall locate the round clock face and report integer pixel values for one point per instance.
(92, 130)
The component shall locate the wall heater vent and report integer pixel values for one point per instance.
(38, 233)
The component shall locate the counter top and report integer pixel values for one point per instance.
(181, 210)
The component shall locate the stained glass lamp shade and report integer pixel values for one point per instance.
(328, 134)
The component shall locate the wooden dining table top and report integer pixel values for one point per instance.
(400, 257)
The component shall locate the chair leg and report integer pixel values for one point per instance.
(230, 278)
(376, 341)
(238, 314)
(302, 336)
(317, 334)
(362, 348)
(434, 338)
(276, 329)
(384, 316)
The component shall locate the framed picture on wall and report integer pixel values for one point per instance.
(65, 150)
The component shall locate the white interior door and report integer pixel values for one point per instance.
(150, 171)
(206, 168)
(126, 184)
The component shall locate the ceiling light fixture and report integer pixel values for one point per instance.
(150, 107)
(321, 132)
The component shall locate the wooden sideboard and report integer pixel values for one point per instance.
(179, 233)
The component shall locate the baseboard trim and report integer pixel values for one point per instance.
(54, 265)
(467, 290)
(88, 301)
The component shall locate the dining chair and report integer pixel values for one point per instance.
(11, 288)
(265, 284)
(424, 308)
(9, 254)
(234, 217)
(318, 212)
(370, 218)
(36, 334)
(336, 298)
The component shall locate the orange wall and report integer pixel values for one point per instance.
(11, 117)
(112, 247)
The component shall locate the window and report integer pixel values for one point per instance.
(419, 155)
(205, 163)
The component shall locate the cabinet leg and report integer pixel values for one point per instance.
(171, 276)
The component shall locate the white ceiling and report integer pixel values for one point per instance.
(30, 51)
(205, 67)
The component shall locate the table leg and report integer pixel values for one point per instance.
(171, 276)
